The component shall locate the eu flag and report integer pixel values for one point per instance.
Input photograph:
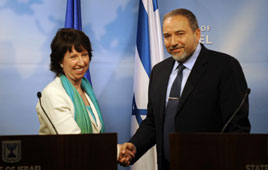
(73, 20)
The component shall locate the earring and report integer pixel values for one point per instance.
(61, 65)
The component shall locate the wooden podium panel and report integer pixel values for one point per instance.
(59, 152)
(219, 151)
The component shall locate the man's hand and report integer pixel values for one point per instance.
(127, 153)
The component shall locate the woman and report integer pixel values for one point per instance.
(68, 104)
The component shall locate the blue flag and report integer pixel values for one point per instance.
(73, 20)
(149, 51)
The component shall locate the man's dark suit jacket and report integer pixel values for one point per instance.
(213, 91)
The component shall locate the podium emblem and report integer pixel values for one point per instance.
(11, 151)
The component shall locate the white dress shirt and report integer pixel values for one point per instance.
(185, 73)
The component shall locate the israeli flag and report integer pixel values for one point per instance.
(149, 51)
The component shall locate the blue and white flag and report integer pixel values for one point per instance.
(73, 20)
(149, 51)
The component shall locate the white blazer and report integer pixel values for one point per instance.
(60, 110)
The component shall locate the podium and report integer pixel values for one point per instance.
(59, 152)
(218, 151)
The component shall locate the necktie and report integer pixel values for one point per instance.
(171, 109)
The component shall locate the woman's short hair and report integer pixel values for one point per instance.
(64, 40)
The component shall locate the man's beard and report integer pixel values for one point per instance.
(181, 58)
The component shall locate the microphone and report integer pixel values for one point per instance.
(39, 95)
(238, 108)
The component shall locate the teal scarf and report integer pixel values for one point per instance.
(80, 111)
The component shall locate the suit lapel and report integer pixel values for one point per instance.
(165, 78)
(194, 77)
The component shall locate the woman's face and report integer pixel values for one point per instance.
(75, 64)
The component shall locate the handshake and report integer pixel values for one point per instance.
(126, 153)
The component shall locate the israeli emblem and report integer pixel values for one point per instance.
(11, 151)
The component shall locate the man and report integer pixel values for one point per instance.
(211, 87)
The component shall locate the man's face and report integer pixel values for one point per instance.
(180, 40)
